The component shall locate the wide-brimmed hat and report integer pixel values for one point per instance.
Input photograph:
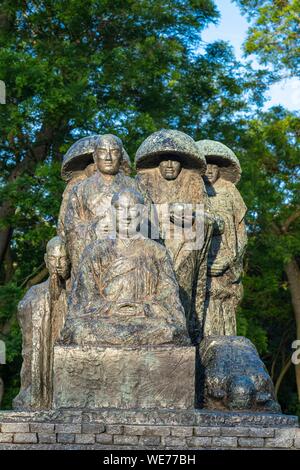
(169, 143)
(219, 154)
(80, 155)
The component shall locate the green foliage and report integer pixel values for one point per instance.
(275, 33)
(9, 295)
(269, 149)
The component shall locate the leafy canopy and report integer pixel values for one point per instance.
(274, 34)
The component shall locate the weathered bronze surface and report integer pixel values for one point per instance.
(125, 292)
(127, 296)
(170, 167)
(126, 378)
(41, 315)
(235, 378)
(225, 260)
(88, 202)
(80, 155)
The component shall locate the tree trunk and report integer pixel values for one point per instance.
(281, 376)
(1, 390)
(36, 154)
(39, 277)
(5, 232)
(293, 274)
(8, 265)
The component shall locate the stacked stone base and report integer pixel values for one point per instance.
(151, 430)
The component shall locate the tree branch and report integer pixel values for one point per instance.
(38, 278)
(294, 216)
(39, 273)
(281, 375)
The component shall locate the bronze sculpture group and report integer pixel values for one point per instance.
(144, 284)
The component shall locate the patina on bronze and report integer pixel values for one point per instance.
(225, 261)
(169, 167)
(118, 332)
(89, 200)
(125, 342)
(125, 292)
(41, 315)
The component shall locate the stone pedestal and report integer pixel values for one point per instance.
(113, 429)
(161, 377)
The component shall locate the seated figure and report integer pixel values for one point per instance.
(125, 292)
(41, 314)
(91, 197)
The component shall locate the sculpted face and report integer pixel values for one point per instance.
(169, 169)
(103, 227)
(56, 259)
(108, 155)
(212, 173)
(128, 213)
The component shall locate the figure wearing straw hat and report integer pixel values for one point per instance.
(170, 167)
(225, 260)
(96, 168)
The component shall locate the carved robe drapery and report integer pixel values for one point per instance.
(190, 265)
(224, 290)
(41, 321)
(88, 202)
(125, 294)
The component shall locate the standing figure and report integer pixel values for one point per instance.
(90, 199)
(169, 167)
(78, 164)
(41, 314)
(225, 262)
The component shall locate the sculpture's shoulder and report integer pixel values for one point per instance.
(191, 186)
(227, 187)
(34, 295)
(73, 184)
(142, 185)
(95, 182)
(192, 177)
(147, 182)
(144, 175)
(80, 188)
(235, 193)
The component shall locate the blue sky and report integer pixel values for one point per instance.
(232, 27)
